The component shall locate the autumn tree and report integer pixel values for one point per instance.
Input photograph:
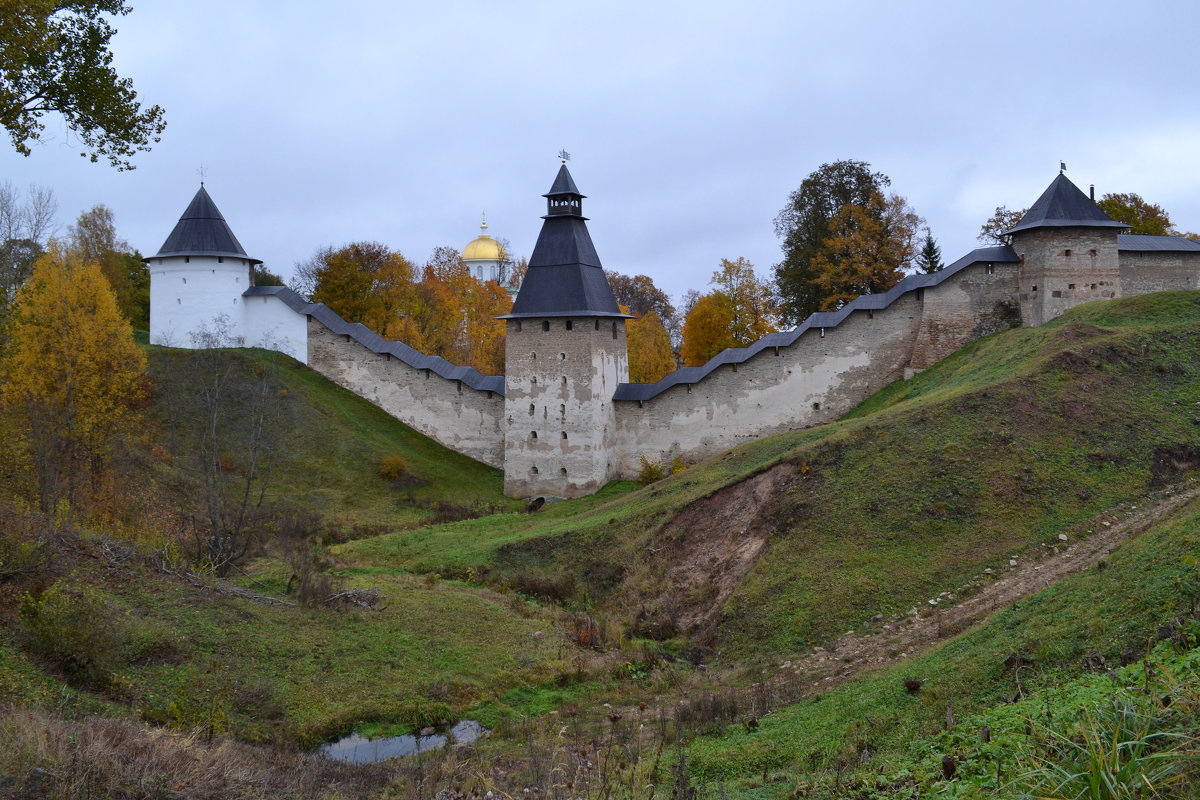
(929, 259)
(94, 238)
(1140, 215)
(706, 330)
(73, 376)
(867, 252)
(993, 231)
(55, 57)
(740, 311)
(804, 226)
(650, 354)
(362, 281)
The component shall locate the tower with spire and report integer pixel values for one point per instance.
(1067, 247)
(565, 356)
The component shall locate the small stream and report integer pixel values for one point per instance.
(355, 749)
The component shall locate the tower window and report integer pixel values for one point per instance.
(533, 356)
(533, 435)
(564, 380)
(531, 409)
(220, 259)
(562, 471)
(990, 269)
(562, 356)
(533, 380)
(545, 325)
(1067, 252)
(187, 259)
(533, 471)
(570, 324)
(597, 324)
(614, 330)
(564, 436)
(518, 326)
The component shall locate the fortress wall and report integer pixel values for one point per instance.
(1143, 272)
(1064, 267)
(975, 302)
(816, 380)
(459, 417)
(559, 385)
(271, 323)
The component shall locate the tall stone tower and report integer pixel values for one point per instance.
(566, 354)
(1068, 252)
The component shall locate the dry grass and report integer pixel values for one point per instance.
(44, 755)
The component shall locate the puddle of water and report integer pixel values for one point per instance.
(355, 749)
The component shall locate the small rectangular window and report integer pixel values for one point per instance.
(570, 324)
(545, 325)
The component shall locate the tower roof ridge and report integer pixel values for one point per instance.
(202, 231)
(565, 277)
(1062, 205)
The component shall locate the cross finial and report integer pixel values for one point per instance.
(202, 172)
(564, 155)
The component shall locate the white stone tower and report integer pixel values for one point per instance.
(200, 272)
(566, 355)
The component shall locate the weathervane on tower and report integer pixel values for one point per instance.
(202, 172)
(564, 155)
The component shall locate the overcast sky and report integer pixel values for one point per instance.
(688, 122)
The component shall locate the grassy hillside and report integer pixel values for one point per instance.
(1002, 447)
(326, 449)
(748, 562)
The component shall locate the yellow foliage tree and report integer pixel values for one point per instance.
(739, 312)
(650, 356)
(706, 330)
(73, 377)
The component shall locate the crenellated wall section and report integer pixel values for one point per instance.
(807, 376)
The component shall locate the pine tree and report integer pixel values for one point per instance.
(930, 257)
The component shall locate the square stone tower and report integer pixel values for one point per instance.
(1068, 253)
(566, 354)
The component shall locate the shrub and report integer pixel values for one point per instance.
(75, 630)
(393, 467)
(651, 472)
(677, 466)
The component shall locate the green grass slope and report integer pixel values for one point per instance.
(327, 452)
(871, 732)
(997, 449)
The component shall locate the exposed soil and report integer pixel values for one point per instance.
(854, 653)
(713, 543)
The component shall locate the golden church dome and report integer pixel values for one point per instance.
(482, 247)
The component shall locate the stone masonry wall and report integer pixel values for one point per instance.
(1063, 267)
(816, 380)
(560, 430)
(978, 301)
(1143, 272)
(463, 419)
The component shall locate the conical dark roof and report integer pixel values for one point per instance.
(563, 183)
(565, 278)
(1064, 205)
(202, 231)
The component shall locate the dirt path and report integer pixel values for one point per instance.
(900, 638)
